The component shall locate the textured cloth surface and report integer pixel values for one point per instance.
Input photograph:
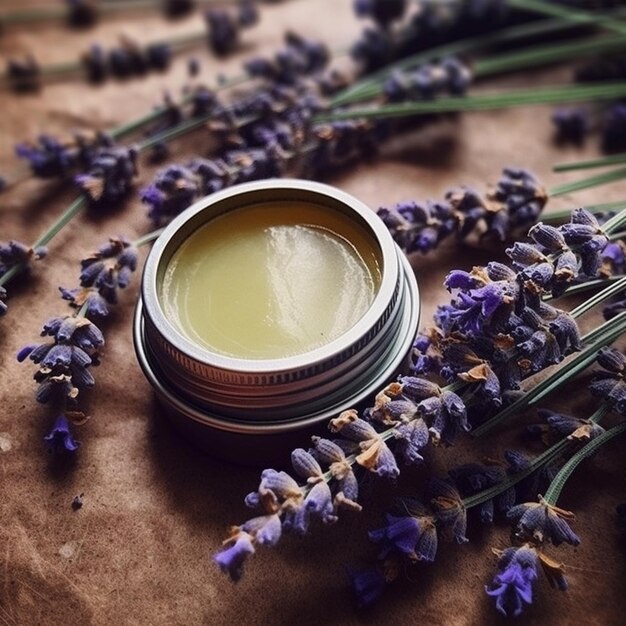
(155, 509)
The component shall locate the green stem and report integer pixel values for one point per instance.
(148, 237)
(586, 183)
(544, 458)
(542, 55)
(370, 86)
(598, 298)
(565, 214)
(481, 102)
(586, 286)
(574, 15)
(601, 336)
(615, 159)
(556, 486)
(72, 210)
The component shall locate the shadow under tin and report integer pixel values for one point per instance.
(253, 410)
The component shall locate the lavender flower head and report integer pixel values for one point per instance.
(515, 202)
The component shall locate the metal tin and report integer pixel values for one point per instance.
(225, 401)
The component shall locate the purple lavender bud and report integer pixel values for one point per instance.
(60, 438)
(612, 360)
(305, 464)
(412, 439)
(524, 254)
(353, 427)
(279, 483)
(498, 271)
(266, 529)
(614, 130)
(547, 236)
(401, 534)
(327, 451)
(95, 63)
(159, 56)
(512, 585)
(449, 509)
(319, 503)
(231, 560)
(367, 586)
(419, 388)
(248, 14)
(582, 216)
(223, 31)
(48, 158)
(383, 12)
(81, 13)
(24, 74)
(373, 50)
(178, 8)
(572, 125)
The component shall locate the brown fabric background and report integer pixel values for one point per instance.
(155, 509)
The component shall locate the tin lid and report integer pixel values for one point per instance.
(196, 370)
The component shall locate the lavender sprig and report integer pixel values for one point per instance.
(66, 358)
(500, 331)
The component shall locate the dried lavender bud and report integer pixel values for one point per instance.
(110, 177)
(223, 31)
(571, 125)
(609, 383)
(24, 74)
(96, 64)
(614, 129)
(178, 8)
(373, 50)
(368, 586)
(77, 502)
(82, 13)
(383, 12)
(248, 14)
(159, 56)
(127, 60)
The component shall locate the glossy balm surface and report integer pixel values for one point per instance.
(271, 280)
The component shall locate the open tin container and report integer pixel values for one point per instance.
(253, 411)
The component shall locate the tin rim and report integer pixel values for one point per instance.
(317, 193)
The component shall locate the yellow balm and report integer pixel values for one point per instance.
(271, 280)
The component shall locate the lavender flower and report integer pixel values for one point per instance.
(609, 383)
(449, 509)
(573, 428)
(64, 363)
(512, 585)
(178, 8)
(541, 521)
(232, 558)
(60, 439)
(414, 537)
